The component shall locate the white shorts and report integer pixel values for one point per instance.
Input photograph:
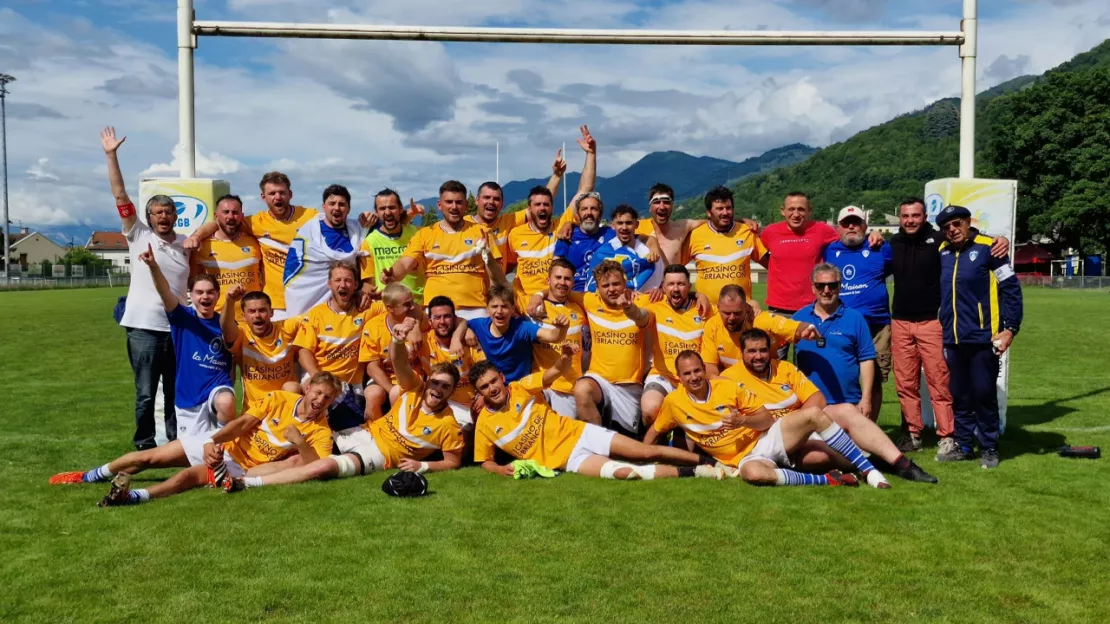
(620, 401)
(562, 403)
(660, 381)
(770, 448)
(358, 441)
(471, 313)
(200, 419)
(462, 415)
(194, 451)
(593, 441)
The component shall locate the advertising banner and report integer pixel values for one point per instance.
(195, 199)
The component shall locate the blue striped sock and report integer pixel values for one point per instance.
(98, 474)
(139, 496)
(793, 477)
(839, 440)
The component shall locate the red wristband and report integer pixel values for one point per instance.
(126, 210)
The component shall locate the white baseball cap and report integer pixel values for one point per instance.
(851, 211)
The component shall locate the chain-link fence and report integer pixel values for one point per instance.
(47, 275)
(1061, 281)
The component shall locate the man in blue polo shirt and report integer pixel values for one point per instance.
(863, 271)
(507, 338)
(842, 363)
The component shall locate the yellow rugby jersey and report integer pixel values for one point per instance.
(266, 362)
(527, 428)
(376, 337)
(274, 237)
(702, 421)
(674, 332)
(464, 392)
(499, 230)
(784, 391)
(532, 251)
(408, 432)
(646, 227)
(617, 345)
(723, 258)
(230, 262)
(545, 355)
(334, 339)
(454, 268)
(722, 348)
(267, 443)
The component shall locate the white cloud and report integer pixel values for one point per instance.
(210, 165)
(38, 171)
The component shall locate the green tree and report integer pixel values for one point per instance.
(83, 257)
(471, 204)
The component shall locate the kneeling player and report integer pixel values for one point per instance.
(420, 423)
(517, 420)
(730, 424)
(275, 430)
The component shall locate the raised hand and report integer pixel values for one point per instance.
(236, 292)
(559, 167)
(587, 142)
(415, 208)
(401, 330)
(387, 276)
(147, 257)
(191, 242)
(368, 219)
(109, 141)
(624, 299)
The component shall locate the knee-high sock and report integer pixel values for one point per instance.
(793, 477)
(839, 440)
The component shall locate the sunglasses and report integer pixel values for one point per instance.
(826, 285)
(954, 224)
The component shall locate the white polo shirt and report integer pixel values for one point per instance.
(144, 307)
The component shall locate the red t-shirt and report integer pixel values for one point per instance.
(793, 257)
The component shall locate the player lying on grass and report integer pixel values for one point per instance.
(420, 423)
(516, 419)
(282, 429)
(779, 386)
(748, 441)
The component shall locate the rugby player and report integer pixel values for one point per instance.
(419, 424)
(727, 422)
(444, 325)
(781, 388)
(231, 255)
(386, 243)
(671, 234)
(374, 351)
(507, 338)
(205, 397)
(556, 302)
(274, 228)
(720, 345)
(722, 248)
(282, 426)
(516, 419)
(262, 348)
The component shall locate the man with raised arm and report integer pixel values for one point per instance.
(455, 254)
(720, 346)
(517, 420)
(377, 334)
(727, 422)
(507, 338)
(232, 256)
(781, 388)
(263, 348)
(332, 237)
(419, 424)
(283, 426)
(641, 261)
(274, 228)
(149, 344)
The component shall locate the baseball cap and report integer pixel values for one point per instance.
(851, 211)
(405, 484)
(952, 212)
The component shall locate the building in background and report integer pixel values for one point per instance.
(112, 247)
(31, 248)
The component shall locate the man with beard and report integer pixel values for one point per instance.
(726, 421)
(516, 420)
(720, 345)
(531, 247)
(641, 263)
(149, 345)
(322, 241)
(231, 256)
(670, 234)
(722, 249)
(916, 337)
(864, 272)
(386, 243)
(781, 388)
(262, 347)
(455, 253)
(556, 303)
(444, 325)
(274, 228)
(284, 427)
(419, 424)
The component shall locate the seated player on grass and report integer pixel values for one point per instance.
(281, 426)
(516, 419)
(748, 441)
(420, 423)
(782, 388)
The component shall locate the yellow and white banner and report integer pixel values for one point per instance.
(195, 199)
(993, 206)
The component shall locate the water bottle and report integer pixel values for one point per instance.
(1088, 452)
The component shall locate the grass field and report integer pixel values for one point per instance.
(1025, 543)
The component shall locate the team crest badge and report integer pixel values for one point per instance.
(929, 240)
(720, 348)
(866, 252)
(328, 328)
(524, 244)
(785, 387)
(721, 408)
(670, 320)
(573, 316)
(498, 430)
(246, 249)
(276, 344)
(468, 241)
(973, 255)
(518, 407)
(837, 254)
(706, 248)
(739, 243)
(358, 322)
(275, 421)
(427, 431)
(435, 246)
(697, 319)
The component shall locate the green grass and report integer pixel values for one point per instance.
(1024, 543)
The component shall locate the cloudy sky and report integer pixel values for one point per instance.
(409, 115)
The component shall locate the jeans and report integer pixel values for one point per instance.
(152, 359)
